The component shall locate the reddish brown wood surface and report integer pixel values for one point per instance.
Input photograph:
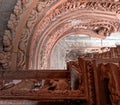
(34, 74)
(43, 95)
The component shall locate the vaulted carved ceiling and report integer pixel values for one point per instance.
(36, 27)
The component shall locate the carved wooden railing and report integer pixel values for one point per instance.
(41, 94)
(87, 80)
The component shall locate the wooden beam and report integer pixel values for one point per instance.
(34, 74)
(43, 95)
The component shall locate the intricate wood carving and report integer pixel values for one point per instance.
(22, 91)
(112, 53)
(91, 83)
(110, 72)
(8, 38)
(65, 9)
(114, 83)
(86, 90)
(46, 17)
(48, 22)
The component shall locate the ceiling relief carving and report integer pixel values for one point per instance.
(36, 26)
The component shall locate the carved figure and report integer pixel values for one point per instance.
(56, 85)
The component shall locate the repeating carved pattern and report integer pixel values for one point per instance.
(100, 28)
(8, 38)
(63, 31)
(50, 45)
(112, 53)
(44, 21)
(21, 59)
(33, 18)
(85, 71)
(72, 6)
(91, 83)
(103, 28)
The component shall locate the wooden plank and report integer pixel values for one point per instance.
(34, 74)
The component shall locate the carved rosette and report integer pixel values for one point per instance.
(39, 30)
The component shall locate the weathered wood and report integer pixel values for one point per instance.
(34, 74)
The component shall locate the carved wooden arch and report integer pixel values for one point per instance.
(49, 49)
(48, 42)
(68, 33)
(31, 25)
